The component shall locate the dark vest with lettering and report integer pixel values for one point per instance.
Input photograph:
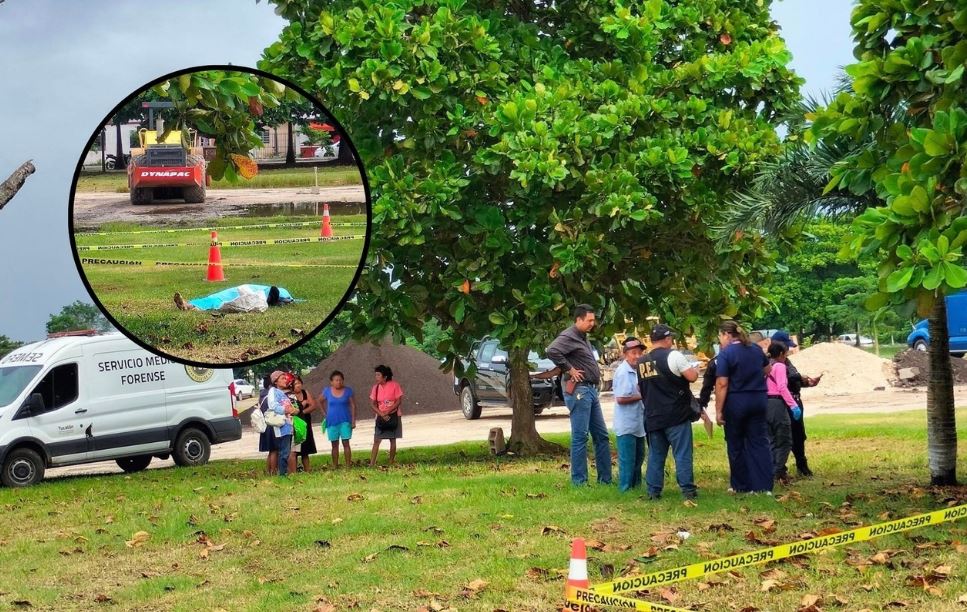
(667, 397)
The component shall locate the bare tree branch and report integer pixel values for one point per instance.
(12, 185)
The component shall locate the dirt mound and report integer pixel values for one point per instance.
(920, 360)
(426, 389)
(846, 369)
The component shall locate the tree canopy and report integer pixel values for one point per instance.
(77, 316)
(527, 157)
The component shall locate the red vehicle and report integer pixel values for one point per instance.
(166, 170)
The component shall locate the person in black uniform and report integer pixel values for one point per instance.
(796, 382)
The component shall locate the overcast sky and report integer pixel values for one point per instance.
(64, 65)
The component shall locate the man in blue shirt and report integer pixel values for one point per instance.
(629, 416)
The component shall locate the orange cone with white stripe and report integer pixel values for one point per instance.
(326, 227)
(577, 573)
(215, 271)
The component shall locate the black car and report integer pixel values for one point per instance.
(492, 381)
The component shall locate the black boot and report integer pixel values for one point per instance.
(803, 468)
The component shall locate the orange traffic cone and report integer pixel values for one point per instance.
(215, 271)
(577, 574)
(326, 228)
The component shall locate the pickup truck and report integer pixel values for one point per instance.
(491, 383)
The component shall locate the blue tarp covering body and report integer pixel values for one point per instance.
(215, 300)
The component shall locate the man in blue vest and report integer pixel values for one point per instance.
(665, 377)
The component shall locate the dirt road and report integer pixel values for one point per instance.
(450, 427)
(94, 208)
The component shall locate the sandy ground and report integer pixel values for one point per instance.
(449, 427)
(94, 208)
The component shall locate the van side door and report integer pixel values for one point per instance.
(62, 422)
(127, 400)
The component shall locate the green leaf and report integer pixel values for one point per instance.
(904, 252)
(899, 279)
(955, 275)
(936, 144)
(877, 301)
(459, 311)
(919, 199)
(933, 278)
(497, 318)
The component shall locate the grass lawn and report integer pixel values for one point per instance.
(140, 297)
(335, 176)
(423, 533)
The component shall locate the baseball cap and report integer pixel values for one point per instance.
(275, 375)
(660, 332)
(631, 343)
(783, 336)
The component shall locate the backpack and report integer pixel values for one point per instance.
(258, 418)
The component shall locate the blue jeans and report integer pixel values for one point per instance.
(679, 438)
(631, 455)
(285, 445)
(586, 416)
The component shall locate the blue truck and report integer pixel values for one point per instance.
(919, 338)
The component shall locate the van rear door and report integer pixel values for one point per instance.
(127, 401)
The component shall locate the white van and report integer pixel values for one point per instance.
(82, 398)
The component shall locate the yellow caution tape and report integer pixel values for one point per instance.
(584, 599)
(225, 227)
(765, 555)
(231, 243)
(129, 262)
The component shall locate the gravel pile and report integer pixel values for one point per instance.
(845, 368)
(426, 389)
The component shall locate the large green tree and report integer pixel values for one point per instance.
(78, 316)
(7, 345)
(911, 56)
(525, 157)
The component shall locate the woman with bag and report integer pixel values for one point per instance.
(386, 397)
(281, 409)
(267, 442)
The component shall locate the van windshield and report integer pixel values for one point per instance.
(13, 380)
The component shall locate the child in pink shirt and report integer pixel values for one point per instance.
(781, 407)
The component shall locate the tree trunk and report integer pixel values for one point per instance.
(345, 156)
(857, 334)
(524, 439)
(941, 421)
(12, 185)
(290, 146)
(119, 153)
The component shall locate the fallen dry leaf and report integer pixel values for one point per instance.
(355, 497)
(138, 539)
(551, 529)
(810, 600)
(669, 594)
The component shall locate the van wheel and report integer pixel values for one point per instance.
(23, 467)
(920, 345)
(134, 464)
(468, 404)
(192, 448)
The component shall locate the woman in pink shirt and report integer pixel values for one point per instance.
(780, 408)
(386, 397)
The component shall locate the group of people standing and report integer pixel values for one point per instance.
(284, 394)
(756, 399)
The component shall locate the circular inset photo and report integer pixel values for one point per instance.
(219, 216)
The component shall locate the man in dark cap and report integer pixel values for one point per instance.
(796, 382)
(665, 378)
